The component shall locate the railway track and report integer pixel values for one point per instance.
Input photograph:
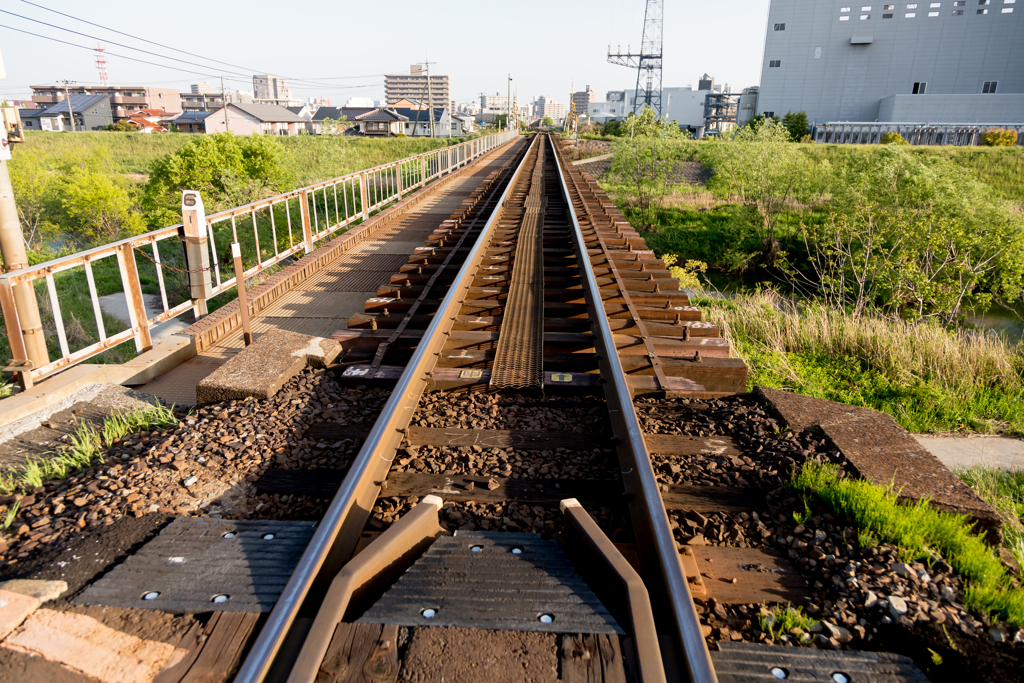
(529, 440)
(538, 295)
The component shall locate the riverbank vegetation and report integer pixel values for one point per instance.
(861, 263)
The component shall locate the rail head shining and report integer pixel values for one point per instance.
(628, 430)
(360, 485)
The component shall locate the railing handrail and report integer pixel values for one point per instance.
(368, 189)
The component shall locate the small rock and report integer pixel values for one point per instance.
(900, 569)
(897, 605)
(492, 484)
(998, 634)
(871, 600)
(948, 594)
(190, 481)
(837, 632)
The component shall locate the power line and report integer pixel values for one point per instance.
(133, 59)
(308, 81)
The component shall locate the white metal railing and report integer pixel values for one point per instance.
(281, 227)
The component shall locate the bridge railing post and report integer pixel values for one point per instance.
(363, 194)
(307, 224)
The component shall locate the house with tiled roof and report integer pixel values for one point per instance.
(91, 112)
(191, 121)
(419, 122)
(254, 119)
(150, 120)
(381, 123)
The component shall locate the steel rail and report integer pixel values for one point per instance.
(341, 525)
(657, 547)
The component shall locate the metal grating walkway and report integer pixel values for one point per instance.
(519, 359)
(492, 580)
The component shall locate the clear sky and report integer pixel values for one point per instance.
(342, 49)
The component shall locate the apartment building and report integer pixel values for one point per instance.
(582, 100)
(414, 86)
(123, 99)
(545, 106)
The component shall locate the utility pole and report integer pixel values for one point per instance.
(508, 104)
(224, 100)
(430, 94)
(67, 98)
(12, 249)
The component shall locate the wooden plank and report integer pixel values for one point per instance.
(676, 444)
(504, 438)
(214, 651)
(474, 488)
(361, 653)
(587, 658)
(762, 576)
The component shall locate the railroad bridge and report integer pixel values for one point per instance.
(476, 411)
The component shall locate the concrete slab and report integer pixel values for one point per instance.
(14, 609)
(84, 644)
(261, 369)
(40, 590)
(885, 454)
(960, 452)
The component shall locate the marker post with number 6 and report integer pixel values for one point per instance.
(243, 303)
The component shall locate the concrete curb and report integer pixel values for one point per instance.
(885, 454)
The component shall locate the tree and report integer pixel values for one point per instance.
(501, 120)
(611, 127)
(97, 200)
(643, 159)
(999, 137)
(760, 164)
(760, 120)
(797, 125)
(36, 192)
(893, 138)
(336, 126)
(121, 127)
(547, 122)
(911, 236)
(227, 170)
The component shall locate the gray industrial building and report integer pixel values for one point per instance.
(954, 65)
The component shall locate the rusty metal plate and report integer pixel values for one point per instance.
(761, 576)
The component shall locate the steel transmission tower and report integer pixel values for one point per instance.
(648, 61)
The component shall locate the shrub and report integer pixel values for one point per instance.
(797, 125)
(121, 127)
(893, 138)
(999, 137)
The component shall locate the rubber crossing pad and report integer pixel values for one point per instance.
(202, 564)
(493, 580)
(756, 663)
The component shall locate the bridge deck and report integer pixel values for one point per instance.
(322, 303)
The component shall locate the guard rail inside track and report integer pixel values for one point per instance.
(536, 283)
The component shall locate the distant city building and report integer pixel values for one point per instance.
(315, 102)
(544, 106)
(210, 101)
(582, 100)
(414, 86)
(123, 99)
(203, 88)
(932, 65)
(495, 101)
(270, 87)
(365, 102)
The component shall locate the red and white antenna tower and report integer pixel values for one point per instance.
(101, 65)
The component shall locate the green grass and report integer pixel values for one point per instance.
(778, 621)
(919, 533)
(308, 158)
(84, 447)
(1004, 491)
(928, 378)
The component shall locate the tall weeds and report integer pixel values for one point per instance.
(926, 376)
